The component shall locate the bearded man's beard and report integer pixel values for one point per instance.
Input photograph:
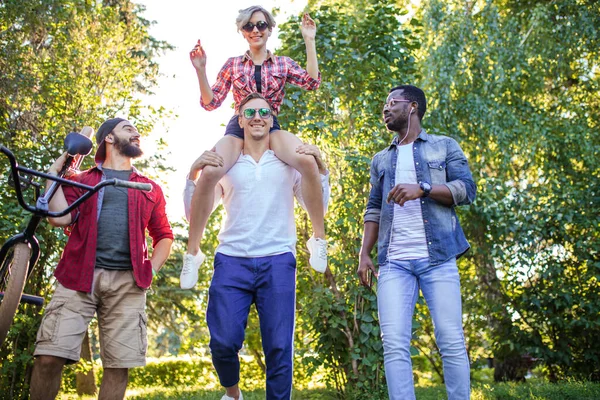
(126, 148)
(396, 126)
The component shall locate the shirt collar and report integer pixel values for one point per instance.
(248, 57)
(134, 170)
(267, 153)
(422, 135)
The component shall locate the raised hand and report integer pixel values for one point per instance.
(58, 164)
(198, 56)
(308, 27)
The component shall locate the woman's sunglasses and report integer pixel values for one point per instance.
(264, 113)
(260, 25)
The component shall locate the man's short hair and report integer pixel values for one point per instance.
(246, 14)
(253, 96)
(415, 94)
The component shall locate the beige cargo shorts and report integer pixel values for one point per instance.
(120, 306)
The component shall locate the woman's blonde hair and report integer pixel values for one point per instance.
(244, 17)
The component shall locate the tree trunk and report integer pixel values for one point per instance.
(507, 365)
(86, 381)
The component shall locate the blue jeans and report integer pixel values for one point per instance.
(269, 283)
(397, 292)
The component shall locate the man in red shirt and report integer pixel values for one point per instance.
(104, 269)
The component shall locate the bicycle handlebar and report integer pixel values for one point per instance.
(146, 187)
(43, 211)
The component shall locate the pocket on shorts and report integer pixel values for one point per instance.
(143, 332)
(50, 322)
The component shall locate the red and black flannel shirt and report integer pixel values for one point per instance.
(276, 71)
(75, 269)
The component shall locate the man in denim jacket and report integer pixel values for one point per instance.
(415, 184)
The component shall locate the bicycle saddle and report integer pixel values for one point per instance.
(77, 144)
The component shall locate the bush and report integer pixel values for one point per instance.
(191, 372)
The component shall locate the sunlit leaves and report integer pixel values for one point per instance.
(518, 85)
(65, 64)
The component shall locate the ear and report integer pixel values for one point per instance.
(240, 121)
(109, 138)
(270, 31)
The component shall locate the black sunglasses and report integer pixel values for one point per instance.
(264, 113)
(260, 25)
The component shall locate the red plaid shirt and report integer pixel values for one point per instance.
(276, 71)
(75, 269)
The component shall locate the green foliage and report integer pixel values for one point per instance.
(518, 87)
(195, 379)
(191, 372)
(502, 391)
(65, 64)
(177, 317)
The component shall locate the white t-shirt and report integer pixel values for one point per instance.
(407, 238)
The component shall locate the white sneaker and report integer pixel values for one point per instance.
(225, 397)
(318, 253)
(189, 272)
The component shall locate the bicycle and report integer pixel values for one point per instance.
(20, 253)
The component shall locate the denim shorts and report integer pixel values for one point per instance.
(233, 127)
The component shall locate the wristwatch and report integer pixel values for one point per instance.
(426, 188)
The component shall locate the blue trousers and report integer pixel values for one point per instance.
(269, 283)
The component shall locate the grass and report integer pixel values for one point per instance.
(502, 391)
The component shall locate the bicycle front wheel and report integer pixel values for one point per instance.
(12, 281)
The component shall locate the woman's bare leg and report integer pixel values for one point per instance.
(229, 147)
(284, 145)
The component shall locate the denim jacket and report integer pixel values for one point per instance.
(439, 160)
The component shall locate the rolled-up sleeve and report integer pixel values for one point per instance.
(158, 226)
(325, 188)
(188, 193)
(373, 212)
(220, 88)
(298, 76)
(460, 180)
(71, 194)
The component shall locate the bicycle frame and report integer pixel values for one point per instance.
(39, 212)
(41, 209)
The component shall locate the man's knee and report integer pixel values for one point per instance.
(223, 349)
(116, 374)
(49, 364)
